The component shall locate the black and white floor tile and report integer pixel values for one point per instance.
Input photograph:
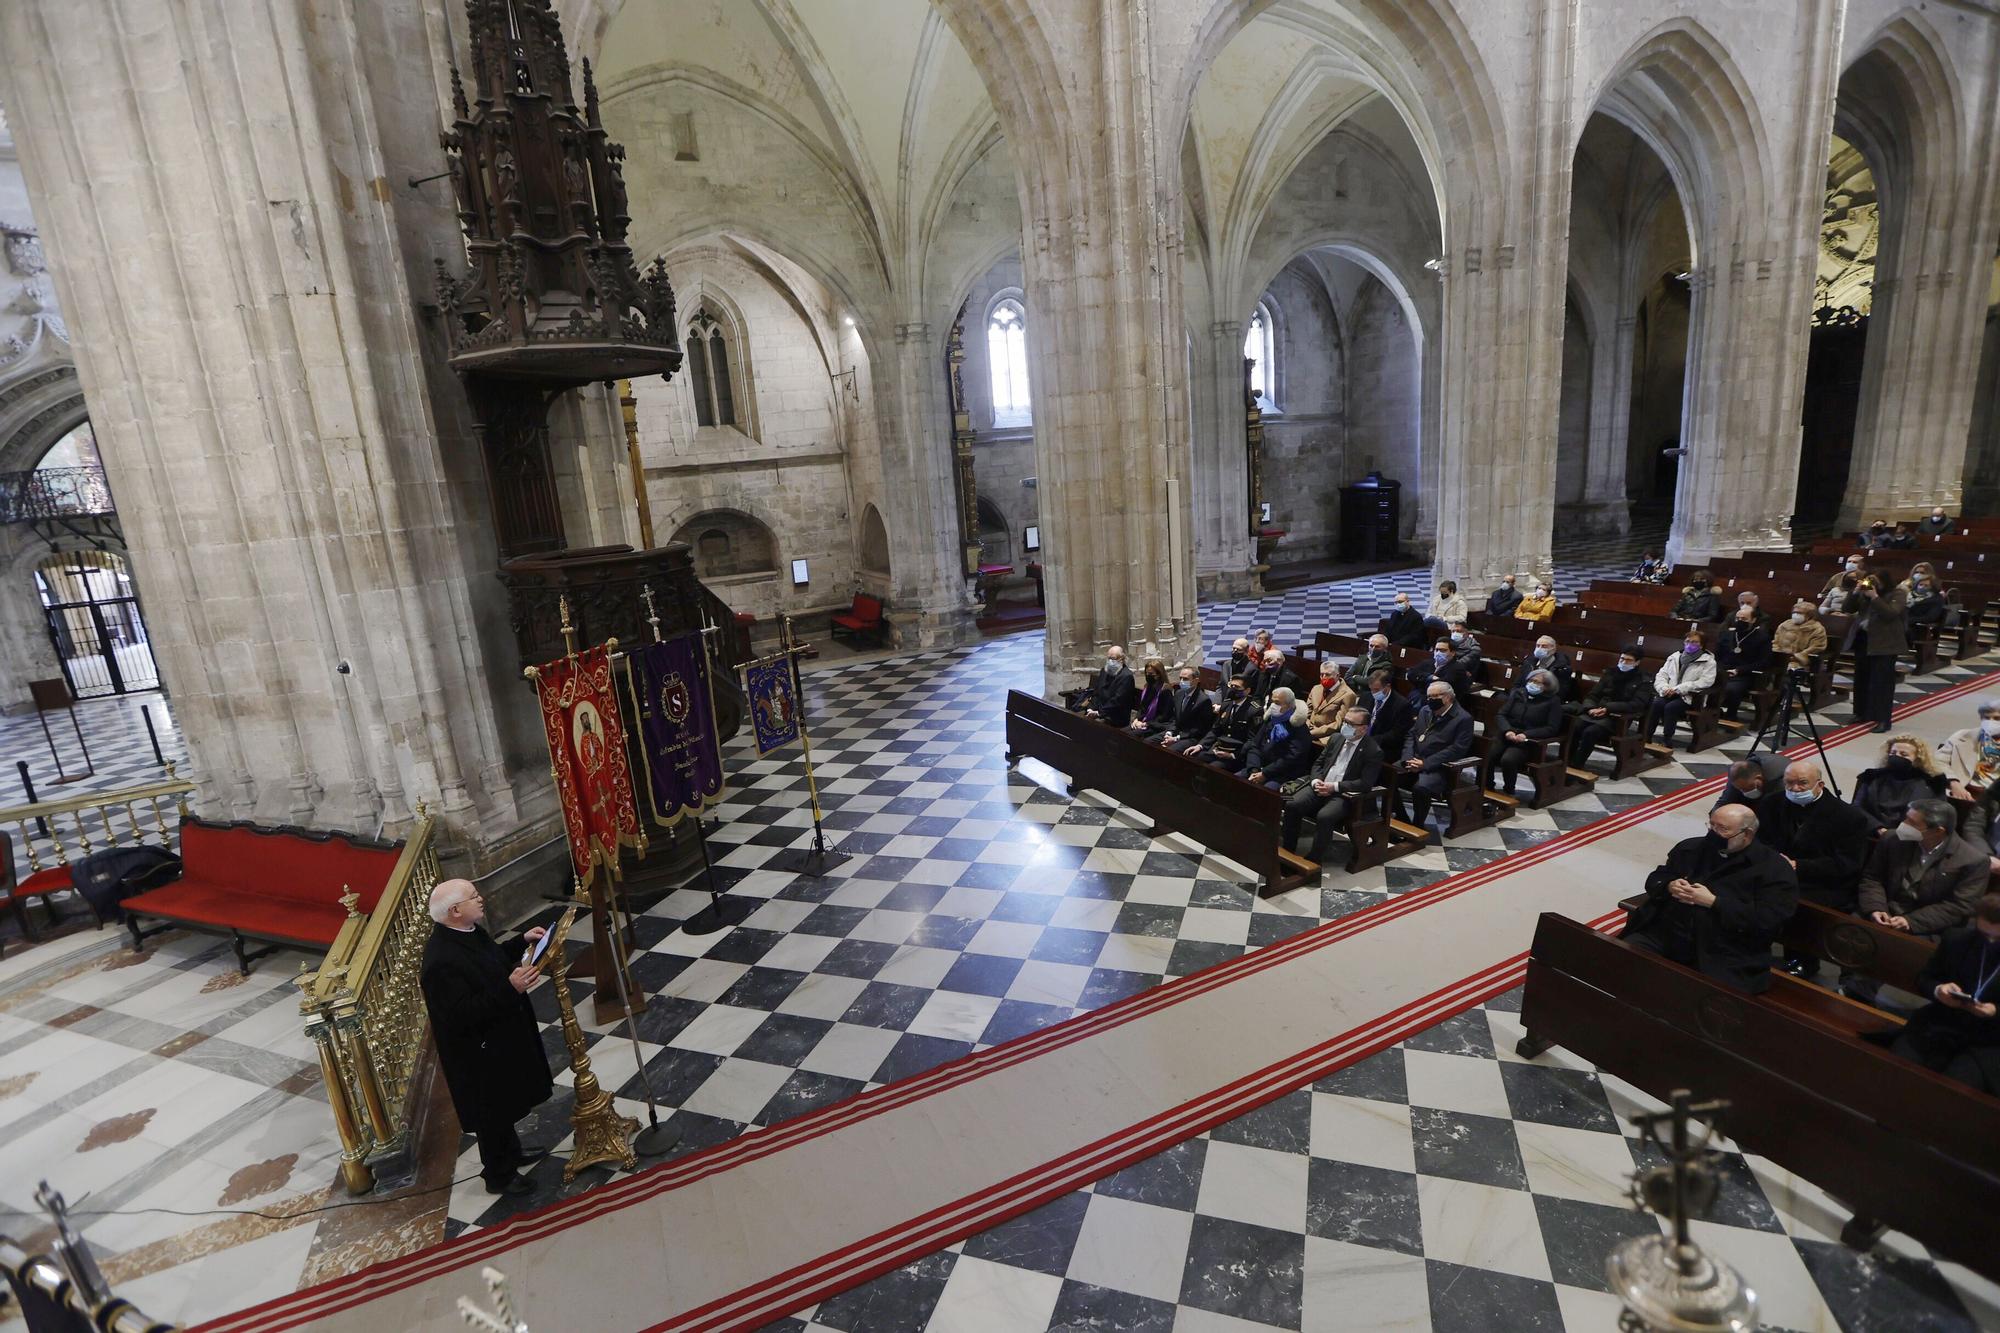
(977, 903)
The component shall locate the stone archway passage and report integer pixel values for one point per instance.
(95, 624)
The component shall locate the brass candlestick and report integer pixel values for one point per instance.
(601, 1134)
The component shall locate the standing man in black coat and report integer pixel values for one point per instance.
(1881, 635)
(488, 1042)
(1825, 839)
(1718, 903)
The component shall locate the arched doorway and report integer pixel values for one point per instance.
(1842, 290)
(95, 623)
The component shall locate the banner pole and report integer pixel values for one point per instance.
(655, 1138)
(722, 910)
(819, 849)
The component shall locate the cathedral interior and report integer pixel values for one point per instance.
(364, 362)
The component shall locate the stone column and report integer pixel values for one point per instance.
(1075, 87)
(1224, 550)
(931, 603)
(1605, 508)
(222, 181)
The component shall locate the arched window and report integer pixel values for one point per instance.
(1260, 350)
(727, 543)
(708, 370)
(1007, 359)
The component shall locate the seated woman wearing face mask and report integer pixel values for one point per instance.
(1927, 602)
(1971, 757)
(1532, 714)
(1679, 680)
(1907, 773)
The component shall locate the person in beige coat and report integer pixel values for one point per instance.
(1329, 701)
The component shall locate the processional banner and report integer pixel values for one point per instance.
(587, 751)
(676, 719)
(771, 685)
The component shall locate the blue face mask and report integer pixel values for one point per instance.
(1380, 696)
(1801, 797)
(1458, 638)
(1627, 666)
(1534, 690)
(1542, 653)
(1440, 658)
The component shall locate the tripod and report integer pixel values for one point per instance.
(1781, 714)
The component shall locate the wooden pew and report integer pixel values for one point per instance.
(1231, 817)
(1902, 1146)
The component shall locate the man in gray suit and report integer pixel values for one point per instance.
(1922, 877)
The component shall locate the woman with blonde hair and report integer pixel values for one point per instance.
(1539, 606)
(1908, 772)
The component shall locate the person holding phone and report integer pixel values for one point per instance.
(488, 1042)
(1958, 1032)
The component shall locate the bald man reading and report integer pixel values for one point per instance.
(1718, 903)
(488, 1042)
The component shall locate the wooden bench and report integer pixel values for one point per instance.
(1900, 1145)
(864, 619)
(1233, 818)
(287, 886)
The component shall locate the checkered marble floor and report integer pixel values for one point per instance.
(977, 903)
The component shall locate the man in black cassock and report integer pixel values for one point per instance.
(488, 1042)
(1718, 903)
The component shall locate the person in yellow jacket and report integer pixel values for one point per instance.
(1539, 606)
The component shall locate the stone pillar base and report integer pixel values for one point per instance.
(922, 630)
(1226, 585)
(1594, 518)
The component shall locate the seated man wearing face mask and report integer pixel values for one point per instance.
(1236, 716)
(1718, 902)
(1752, 779)
(1503, 599)
(1350, 764)
(1532, 714)
(1958, 1032)
(1329, 701)
(1112, 691)
(1620, 692)
(1539, 607)
(1935, 524)
(1545, 656)
(1239, 663)
(1464, 647)
(1190, 713)
(1742, 657)
(1698, 600)
(1439, 738)
(1801, 638)
(1390, 713)
(1824, 839)
(1280, 749)
(1272, 674)
(1377, 658)
(1924, 878)
(1445, 665)
(1404, 625)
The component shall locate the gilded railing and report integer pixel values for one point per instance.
(63, 832)
(365, 1014)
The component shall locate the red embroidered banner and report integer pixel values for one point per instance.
(587, 751)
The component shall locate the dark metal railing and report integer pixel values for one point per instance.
(53, 492)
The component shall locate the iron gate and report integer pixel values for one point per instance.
(103, 647)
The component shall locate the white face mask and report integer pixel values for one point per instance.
(1909, 833)
(1798, 617)
(1990, 726)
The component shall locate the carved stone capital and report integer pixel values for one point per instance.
(912, 333)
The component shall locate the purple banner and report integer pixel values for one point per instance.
(683, 759)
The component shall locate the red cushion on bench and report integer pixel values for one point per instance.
(285, 868)
(207, 904)
(53, 880)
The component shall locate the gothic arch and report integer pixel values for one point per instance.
(728, 542)
(874, 541)
(1681, 93)
(1900, 103)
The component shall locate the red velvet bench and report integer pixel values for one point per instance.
(282, 885)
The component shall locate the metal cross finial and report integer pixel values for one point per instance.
(501, 1318)
(652, 612)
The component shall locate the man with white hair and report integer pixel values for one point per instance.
(488, 1042)
(1281, 748)
(1718, 902)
